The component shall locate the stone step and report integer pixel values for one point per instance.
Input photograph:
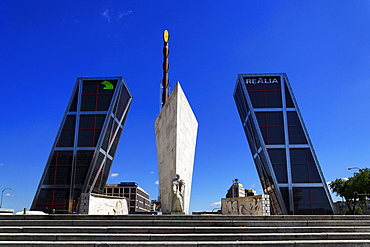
(186, 217)
(176, 230)
(188, 223)
(190, 230)
(300, 243)
(183, 237)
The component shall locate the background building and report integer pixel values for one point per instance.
(237, 190)
(85, 145)
(281, 148)
(340, 207)
(138, 198)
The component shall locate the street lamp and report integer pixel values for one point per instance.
(2, 195)
(358, 168)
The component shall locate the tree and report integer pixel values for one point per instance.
(353, 188)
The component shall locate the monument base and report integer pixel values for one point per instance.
(96, 204)
(250, 205)
(177, 213)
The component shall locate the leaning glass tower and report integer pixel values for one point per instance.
(281, 148)
(85, 145)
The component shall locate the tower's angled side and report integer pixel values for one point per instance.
(85, 144)
(281, 148)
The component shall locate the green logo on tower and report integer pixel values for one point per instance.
(108, 85)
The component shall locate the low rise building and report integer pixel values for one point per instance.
(138, 198)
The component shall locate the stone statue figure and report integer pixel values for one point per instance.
(178, 191)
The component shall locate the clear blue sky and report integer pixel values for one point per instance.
(323, 46)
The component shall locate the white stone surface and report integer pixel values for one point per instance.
(95, 204)
(6, 211)
(250, 205)
(176, 131)
(33, 212)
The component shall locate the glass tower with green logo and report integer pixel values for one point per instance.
(282, 151)
(85, 145)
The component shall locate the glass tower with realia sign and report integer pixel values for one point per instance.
(85, 144)
(282, 151)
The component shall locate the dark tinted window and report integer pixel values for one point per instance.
(278, 161)
(241, 102)
(252, 136)
(83, 162)
(272, 127)
(296, 134)
(288, 98)
(285, 194)
(115, 141)
(122, 103)
(108, 134)
(264, 92)
(89, 130)
(96, 96)
(311, 201)
(303, 166)
(74, 101)
(53, 199)
(60, 169)
(66, 138)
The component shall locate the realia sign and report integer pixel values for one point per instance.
(262, 80)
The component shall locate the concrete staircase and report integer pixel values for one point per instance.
(183, 230)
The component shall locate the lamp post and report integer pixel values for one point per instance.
(2, 195)
(358, 168)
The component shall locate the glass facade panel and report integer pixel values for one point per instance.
(113, 149)
(96, 96)
(278, 161)
(108, 134)
(311, 201)
(97, 173)
(59, 171)
(241, 102)
(89, 130)
(272, 127)
(295, 130)
(66, 138)
(122, 103)
(252, 136)
(303, 166)
(84, 159)
(73, 107)
(264, 92)
(52, 200)
(285, 194)
(288, 98)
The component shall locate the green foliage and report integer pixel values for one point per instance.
(356, 210)
(359, 184)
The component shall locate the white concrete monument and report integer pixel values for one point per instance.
(176, 131)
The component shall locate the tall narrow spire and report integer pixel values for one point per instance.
(165, 81)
